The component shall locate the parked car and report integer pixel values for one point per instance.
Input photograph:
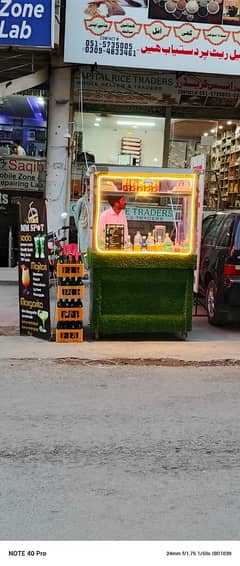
(219, 275)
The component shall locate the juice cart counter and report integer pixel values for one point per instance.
(142, 258)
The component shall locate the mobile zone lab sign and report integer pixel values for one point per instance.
(130, 37)
(22, 174)
(27, 23)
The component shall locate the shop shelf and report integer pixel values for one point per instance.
(69, 335)
(70, 270)
(70, 292)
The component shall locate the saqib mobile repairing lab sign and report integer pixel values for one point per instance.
(187, 35)
(27, 24)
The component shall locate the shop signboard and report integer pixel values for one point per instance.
(27, 24)
(34, 304)
(26, 174)
(152, 214)
(147, 87)
(169, 35)
(149, 213)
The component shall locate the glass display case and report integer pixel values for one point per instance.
(143, 240)
(152, 213)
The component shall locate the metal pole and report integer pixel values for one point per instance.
(166, 140)
(10, 246)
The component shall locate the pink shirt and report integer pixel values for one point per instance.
(109, 216)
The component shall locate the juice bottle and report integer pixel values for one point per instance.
(167, 244)
(128, 245)
(137, 246)
(150, 242)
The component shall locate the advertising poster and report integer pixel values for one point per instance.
(34, 304)
(188, 35)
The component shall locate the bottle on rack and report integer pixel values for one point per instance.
(144, 243)
(150, 242)
(128, 245)
(167, 244)
(137, 246)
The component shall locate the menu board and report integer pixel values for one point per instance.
(114, 237)
(34, 304)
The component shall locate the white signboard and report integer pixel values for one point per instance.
(183, 35)
(22, 174)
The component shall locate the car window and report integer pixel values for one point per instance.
(236, 242)
(225, 233)
(212, 234)
(206, 224)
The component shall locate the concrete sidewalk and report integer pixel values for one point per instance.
(205, 343)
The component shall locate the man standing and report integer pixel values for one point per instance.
(114, 215)
(81, 215)
(17, 148)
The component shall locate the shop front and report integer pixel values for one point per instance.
(157, 87)
(27, 39)
(147, 64)
(19, 177)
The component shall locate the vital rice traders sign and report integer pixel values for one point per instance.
(34, 305)
(25, 23)
(184, 35)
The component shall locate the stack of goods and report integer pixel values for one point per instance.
(70, 292)
(132, 146)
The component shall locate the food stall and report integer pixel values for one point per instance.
(142, 249)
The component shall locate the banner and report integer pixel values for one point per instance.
(105, 85)
(27, 24)
(34, 304)
(188, 35)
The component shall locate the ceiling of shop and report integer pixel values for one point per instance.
(24, 107)
(15, 64)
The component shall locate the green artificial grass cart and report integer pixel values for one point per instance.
(141, 295)
(147, 287)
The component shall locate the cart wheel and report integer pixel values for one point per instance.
(183, 335)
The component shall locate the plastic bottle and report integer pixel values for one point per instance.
(144, 243)
(137, 246)
(128, 245)
(167, 244)
(150, 242)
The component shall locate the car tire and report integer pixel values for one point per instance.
(211, 304)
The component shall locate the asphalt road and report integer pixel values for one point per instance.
(123, 453)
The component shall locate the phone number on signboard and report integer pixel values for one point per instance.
(110, 47)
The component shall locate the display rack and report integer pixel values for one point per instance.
(70, 292)
(225, 162)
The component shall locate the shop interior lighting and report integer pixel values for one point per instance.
(205, 134)
(229, 122)
(133, 123)
(97, 124)
(98, 119)
(41, 100)
(213, 131)
(220, 127)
